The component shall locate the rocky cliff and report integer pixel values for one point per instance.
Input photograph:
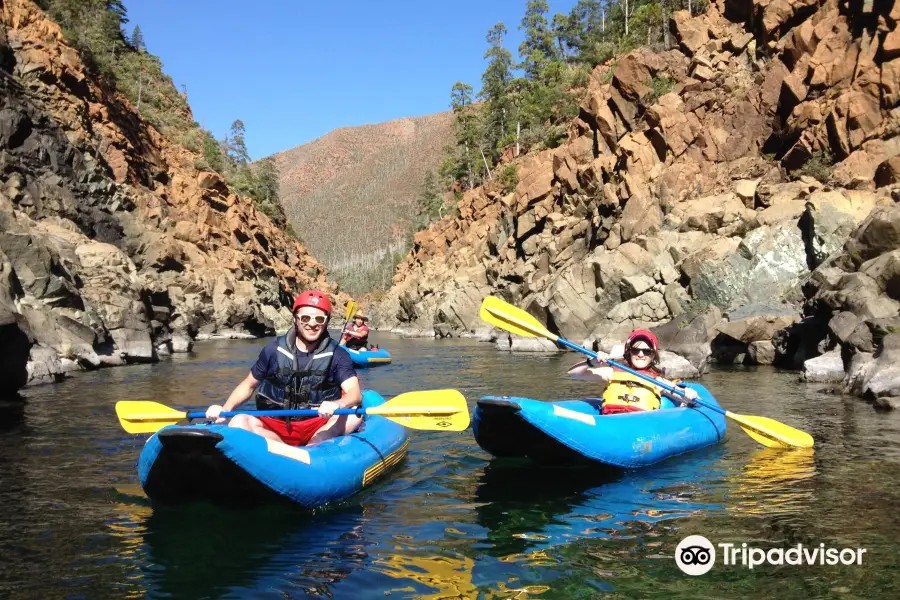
(114, 248)
(703, 191)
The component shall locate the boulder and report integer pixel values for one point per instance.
(43, 366)
(512, 343)
(762, 265)
(882, 379)
(761, 352)
(691, 33)
(181, 342)
(66, 336)
(828, 368)
(753, 329)
(877, 234)
(674, 366)
(630, 78)
(689, 335)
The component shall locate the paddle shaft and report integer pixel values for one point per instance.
(309, 412)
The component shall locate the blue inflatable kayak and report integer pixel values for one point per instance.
(224, 465)
(574, 431)
(369, 358)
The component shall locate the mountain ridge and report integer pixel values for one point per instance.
(375, 170)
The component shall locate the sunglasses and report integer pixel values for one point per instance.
(317, 319)
(642, 351)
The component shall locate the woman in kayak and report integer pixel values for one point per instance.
(305, 368)
(357, 334)
(625, 392)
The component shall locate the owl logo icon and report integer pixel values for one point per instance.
(695, 555)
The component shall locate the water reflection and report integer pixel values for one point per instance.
(12, 412)
(201, 551)
(772, 482)
(429, 577)
(527, 508)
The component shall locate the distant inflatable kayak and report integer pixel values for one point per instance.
(369, 358)
(224, 465)
(574, 431)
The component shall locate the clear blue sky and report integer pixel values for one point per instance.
(293, 70)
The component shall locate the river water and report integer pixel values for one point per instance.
(449, 522)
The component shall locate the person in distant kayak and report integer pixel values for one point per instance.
(625, 392)
(305, 368)
(356, 337)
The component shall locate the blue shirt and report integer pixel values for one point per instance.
(267, 364)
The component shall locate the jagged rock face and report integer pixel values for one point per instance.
(115, 248)
(852, 310)
(686, 202)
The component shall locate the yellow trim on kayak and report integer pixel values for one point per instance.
(378, 359)
(376, 470)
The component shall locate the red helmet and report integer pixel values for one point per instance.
(313, 298)
(642, 334)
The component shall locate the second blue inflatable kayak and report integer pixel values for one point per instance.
(369, 358)
(573, 431)
(225, 465)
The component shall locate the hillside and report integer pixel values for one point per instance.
(351, 193)
(116, 245)
(746, 211)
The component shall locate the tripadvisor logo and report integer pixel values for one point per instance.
(696, 555)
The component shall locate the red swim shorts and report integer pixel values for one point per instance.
(295, 433)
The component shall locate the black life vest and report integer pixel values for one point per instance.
(296, 387)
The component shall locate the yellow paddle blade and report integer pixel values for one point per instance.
(141, 416)
(772, 433)
(435, 410)
(514, 320)
(351, 310)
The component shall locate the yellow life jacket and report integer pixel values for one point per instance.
(626, 389)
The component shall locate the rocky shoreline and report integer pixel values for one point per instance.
(747, 214)
(114, 247)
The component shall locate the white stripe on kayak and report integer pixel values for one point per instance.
(567, 413)
(282, 449)
(286, 353)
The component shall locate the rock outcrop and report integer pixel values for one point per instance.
(705, 208)
(114, 248)
(852, 313)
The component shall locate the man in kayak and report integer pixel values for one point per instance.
(357, 334)
(626, 392)
(305, 368)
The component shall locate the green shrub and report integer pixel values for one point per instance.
(819, 167)
(509, 177)
(660, 85)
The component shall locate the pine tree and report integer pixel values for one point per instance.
(465, 127)
(562, 28)
(236, 146)
(494, 89)
(537, 49)
(431, 204)
(137, 39)
(266, 181)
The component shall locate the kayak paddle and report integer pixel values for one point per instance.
(436, 410)
(768, 432)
